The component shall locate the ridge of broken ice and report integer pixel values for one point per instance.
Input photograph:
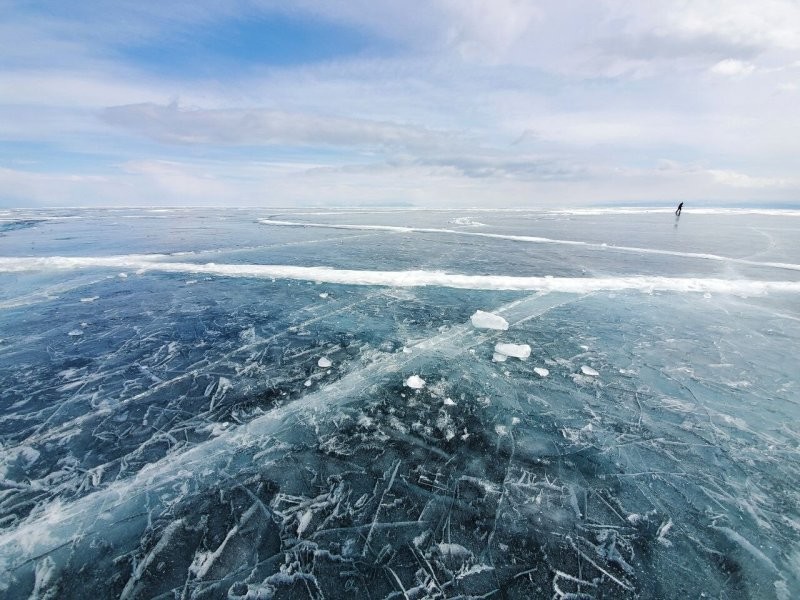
(579, 285)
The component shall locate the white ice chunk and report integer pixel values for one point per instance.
(324, 362)
(589, 371)
(541, 371)
(90, 298)
(122, 275)
(303, 522)
(415, 382)
(453, 551)
(497, 357)
(520, 351)
(323, 295)
(75, 332)
(485, 320)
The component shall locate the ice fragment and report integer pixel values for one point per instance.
(415, 382)
(485, 320)
(520, 351)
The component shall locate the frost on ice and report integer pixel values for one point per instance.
(486, 320)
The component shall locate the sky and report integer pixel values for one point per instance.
(434, 103)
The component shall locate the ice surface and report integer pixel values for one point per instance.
(540, 240)
(486, 320)
(193, 443)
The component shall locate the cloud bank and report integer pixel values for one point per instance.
(428, 103)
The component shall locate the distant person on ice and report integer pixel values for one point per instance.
(680, 207)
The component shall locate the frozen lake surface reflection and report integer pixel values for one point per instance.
(252, 404)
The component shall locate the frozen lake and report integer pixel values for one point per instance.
(304, 404)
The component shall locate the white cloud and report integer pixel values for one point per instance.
(733, 68)
(486, 30)
(589, 91)
(174, 124)
(742, 180)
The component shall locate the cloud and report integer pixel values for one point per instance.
(176, 125)
(733, 68)
(474, 101)
(504, 166)
(729, 178)
(742, 180)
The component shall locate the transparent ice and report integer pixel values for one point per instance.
(180, 431)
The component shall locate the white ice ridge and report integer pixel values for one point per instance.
(537, 240)
(579, 285)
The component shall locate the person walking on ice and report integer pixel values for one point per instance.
(680, 207)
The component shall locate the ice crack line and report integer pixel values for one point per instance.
(536, 240)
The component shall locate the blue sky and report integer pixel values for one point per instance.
(383, 102)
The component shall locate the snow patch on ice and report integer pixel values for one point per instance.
(541, 371)
(467, 221)
(587, 370)
(324, 362)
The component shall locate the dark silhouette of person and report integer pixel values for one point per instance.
(680, 207)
